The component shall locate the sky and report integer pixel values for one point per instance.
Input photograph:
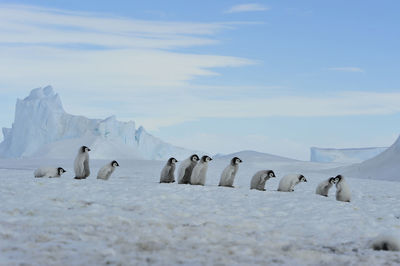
(218, 76)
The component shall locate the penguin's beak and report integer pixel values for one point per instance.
(89, 149)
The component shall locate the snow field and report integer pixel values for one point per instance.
(131, 219)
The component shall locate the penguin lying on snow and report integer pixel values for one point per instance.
(49, 172)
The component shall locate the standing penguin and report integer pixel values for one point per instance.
(324, 186)
(168, 172)
(342, 190)
(229, 173)
(288, 182)
(81, 164)
(258, 180)
(49, 172)
(186, 168)
(106, 171)
(200, 171)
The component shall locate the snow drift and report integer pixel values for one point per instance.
(43, 129)
(356, 155)
(384, 166)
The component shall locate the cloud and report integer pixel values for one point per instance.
(246, 8)
(346, 69)
(89, 52)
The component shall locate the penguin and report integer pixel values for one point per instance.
(229, 173)
(81, 164)
(168, 172)
(324, 186)
(288, 182)
(106, 171)
(199, 172)
(385, 242)
(186, 168)
(258, 180)
(342, 190)
(49, 172)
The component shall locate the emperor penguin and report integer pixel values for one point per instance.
(49, 172)
(106, 171)
(81, 164)
(258, 180)
(199, 172)
(229, 173)
(186, 168)
(288, 182)
(168, 172)
(324, 186)
(342, 190)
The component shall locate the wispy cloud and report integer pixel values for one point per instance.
(98, 52)
(246, 8)
(346, 69)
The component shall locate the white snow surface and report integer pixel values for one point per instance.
(385, 166)
(43, 129)
(131, 219)
(349, 155)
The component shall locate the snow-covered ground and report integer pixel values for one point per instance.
(131, 219)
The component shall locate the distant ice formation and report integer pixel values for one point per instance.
(356, 155)
(43, 129)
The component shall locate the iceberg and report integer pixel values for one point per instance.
(351, 155)
(42, 128)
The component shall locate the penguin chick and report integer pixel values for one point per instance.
(81, 164)
(199, 173)
(258, 180)
(324, 186)
(49, 172)
(229, 173)
(168, 172)
(106, 171)
(288, 182)
(186, 169)
(342, 189)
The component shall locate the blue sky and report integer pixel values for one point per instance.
(219, 76)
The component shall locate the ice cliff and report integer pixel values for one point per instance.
(356, 155)
(43, 129)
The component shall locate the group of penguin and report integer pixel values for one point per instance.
(81, 167)
(193, 171)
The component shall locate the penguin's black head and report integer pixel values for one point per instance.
(302, 178)
(172, 160)
(338, 178)
(236, 160)
(271, 174)
(194, 158)
(114, 163)
(206, 159)
(60, 170)
(332, 180)
(84, 149)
